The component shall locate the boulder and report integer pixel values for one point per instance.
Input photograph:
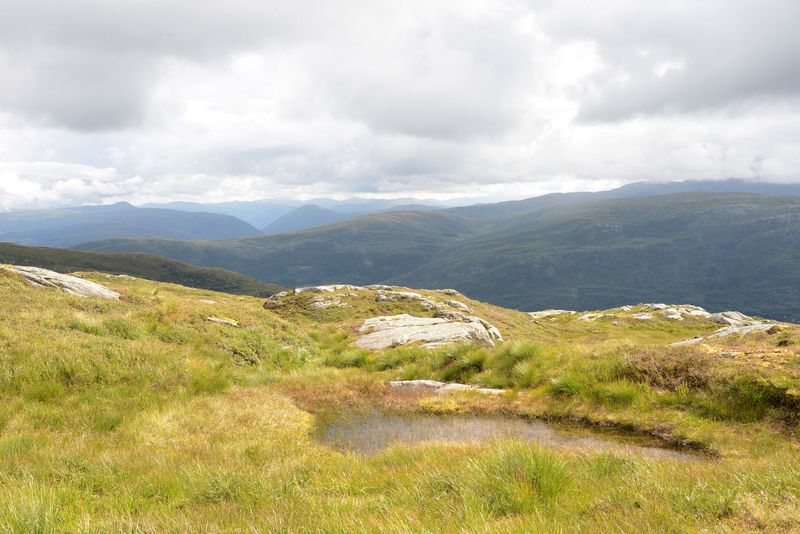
(394, 330)
(673, 314)
(733, 318)
(642, 316)
(65, 282)
(459, 305)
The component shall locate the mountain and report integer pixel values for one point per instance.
(363, 250)
(147, 266)
(257, 213)
(71, 226)
(722, 251)
(562, 251)
(304, 217)
(262, 213)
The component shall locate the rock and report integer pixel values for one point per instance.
(642, 316)
(451, 292)
(397, 296)
(550, 313)
(71, 284)
(594, 316)
(220, 320)
(394, 330)
(459, 305)
(626, 308)
(273, 304)
(687, 342)
(441, 387)
(320, 303)
(207, 301)
(416, 384)
(379, 287)
(673, 314)
(655, 307)
(755, 326)
(732, 318)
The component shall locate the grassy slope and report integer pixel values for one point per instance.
(554, 252)
(140, 415)
(142, 265)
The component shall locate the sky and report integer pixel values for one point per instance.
(157, 100)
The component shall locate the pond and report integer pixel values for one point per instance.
(376, 431)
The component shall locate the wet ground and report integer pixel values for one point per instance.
(369, 434)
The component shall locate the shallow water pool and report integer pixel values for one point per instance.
(369, 434)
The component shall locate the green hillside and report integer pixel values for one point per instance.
(147, 266)
(720, 251)
(180, 410)
(562, 251)
(363, 250)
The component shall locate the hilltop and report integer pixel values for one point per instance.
(171, 408)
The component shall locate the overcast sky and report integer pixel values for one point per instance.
(146, 100)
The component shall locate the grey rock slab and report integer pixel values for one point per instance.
(395, 330)
(73, 285)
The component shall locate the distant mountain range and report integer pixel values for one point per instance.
(712, 245)
(262, 213)
(71, 226)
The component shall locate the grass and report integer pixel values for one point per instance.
(142, 416)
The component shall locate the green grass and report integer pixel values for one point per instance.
(140, 415)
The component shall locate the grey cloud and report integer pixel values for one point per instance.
(683, 56)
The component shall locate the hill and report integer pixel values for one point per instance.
(304, 217)
(692, 247)
(560, 251)
(363, 250)
(147, 266)
(71, 226)
(174, 409)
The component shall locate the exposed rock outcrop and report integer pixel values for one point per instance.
(737, 323)
(322, 302)
(459, 306)
(543, 314)
(394, 330)
(220, 320)
(66, 282)
(440, 388)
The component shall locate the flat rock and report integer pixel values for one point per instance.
(220, 320)
(459, 305)
(322, 302)
(395, 330)
(65, 282)
(397, 296)
(543, 314)
(441, 388)
(642, 316)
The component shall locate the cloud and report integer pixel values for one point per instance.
(104, 101)
(682, 56)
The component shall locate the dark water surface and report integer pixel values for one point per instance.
(376, 431)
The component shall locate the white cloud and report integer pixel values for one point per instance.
(103, 101)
